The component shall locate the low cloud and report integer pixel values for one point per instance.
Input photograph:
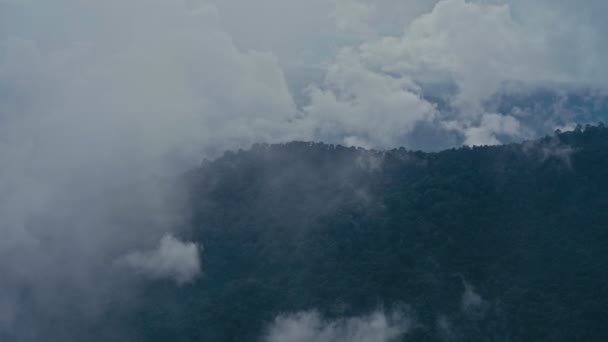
(370, 161)
(358, 106)
(312, 327)
(471, 300)
(553, 149)
(375, 93)
(172, 259)
(101, 103)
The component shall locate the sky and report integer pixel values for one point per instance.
(100, 99)
(355, 72)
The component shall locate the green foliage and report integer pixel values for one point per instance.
(305, 226)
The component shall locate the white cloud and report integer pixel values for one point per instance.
(158, 75)
(372, 92)
(491, 126)
(173, 259)
(95, 108)
(356, 104)
(475, 44)
(99, 102)
(376, 17)
(353, 15)
(311, 327)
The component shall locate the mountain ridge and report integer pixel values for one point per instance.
(498, 243)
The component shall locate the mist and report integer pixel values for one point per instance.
(309, 326)
(104, 104)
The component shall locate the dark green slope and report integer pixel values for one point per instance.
(345, 231)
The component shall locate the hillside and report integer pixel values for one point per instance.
(501, 243)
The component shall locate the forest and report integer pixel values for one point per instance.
(492, 243)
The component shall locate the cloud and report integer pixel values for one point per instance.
(93, 109)
(412, 49)
(365, 18)
(310, 326)
(444, 328)
(181, 83)
(314, 28)
(471, 300)
(491, 126)
(353, 15)
(173, 259)
(359, 105)
(548, 150)
(101, 101)
(370, 162)
(377, 92)
(476, 45)
(101, 104)
(307, 32)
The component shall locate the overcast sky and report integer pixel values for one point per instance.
(232, 72)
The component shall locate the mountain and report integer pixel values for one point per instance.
(493, 243)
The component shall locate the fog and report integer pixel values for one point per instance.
(103, 104)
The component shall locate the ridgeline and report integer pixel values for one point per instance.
(496, 243)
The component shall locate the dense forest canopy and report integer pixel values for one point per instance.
(305, 242)
(494, 243)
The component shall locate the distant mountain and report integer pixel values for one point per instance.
(500, 243)
(542, 109)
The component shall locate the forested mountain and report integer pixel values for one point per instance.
(497, 243)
